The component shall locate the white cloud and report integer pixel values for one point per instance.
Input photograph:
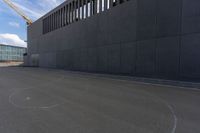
(33, 9)
(12, 39)
(14, 24)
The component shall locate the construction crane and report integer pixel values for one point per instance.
(15, 8)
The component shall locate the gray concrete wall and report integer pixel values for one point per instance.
(148, 38)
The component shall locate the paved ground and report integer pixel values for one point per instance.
(34, 100)
(5, 64)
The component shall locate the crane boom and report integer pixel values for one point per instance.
(27, 19)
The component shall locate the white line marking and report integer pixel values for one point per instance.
(175, 118)
(28, 98)
(31, 107)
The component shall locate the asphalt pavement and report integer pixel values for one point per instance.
(36, 100)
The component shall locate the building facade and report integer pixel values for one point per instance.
(145, 38)
(11, 53)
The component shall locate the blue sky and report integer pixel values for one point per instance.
(13, 27)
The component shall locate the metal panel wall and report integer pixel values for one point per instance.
(148, 38)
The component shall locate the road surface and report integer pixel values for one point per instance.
(35, 100)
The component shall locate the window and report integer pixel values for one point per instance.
(64, 16)
(75, 11)
(67, 13)
(70, 13)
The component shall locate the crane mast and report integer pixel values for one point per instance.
(15, 8)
